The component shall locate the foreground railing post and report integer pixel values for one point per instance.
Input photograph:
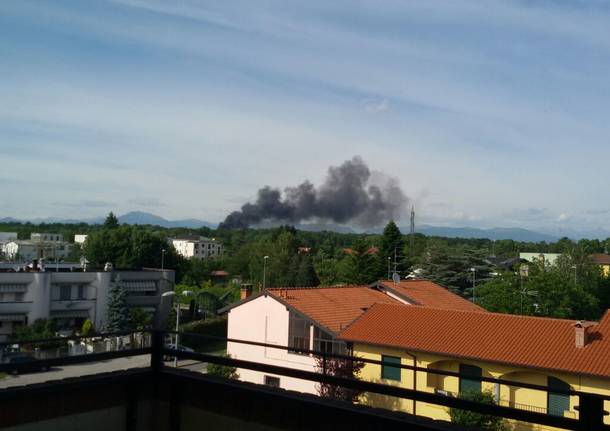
(156, 354)
(590, 412)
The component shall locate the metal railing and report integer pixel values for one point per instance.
(590, 406)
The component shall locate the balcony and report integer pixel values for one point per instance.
(156, 396)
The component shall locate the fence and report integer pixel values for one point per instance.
(590, 406)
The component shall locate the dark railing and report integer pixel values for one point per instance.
(590, 406)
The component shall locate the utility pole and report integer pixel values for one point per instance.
(474, 284)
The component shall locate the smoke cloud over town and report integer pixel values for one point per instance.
(351, 193)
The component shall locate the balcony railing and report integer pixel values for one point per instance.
(153, 343)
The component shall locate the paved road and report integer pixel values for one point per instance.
(77, 370)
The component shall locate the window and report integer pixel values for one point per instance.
(274, 382)
(470, 378)
(558, 403)
(298, 333)
(19, 297)
(81, 292)
(389, 370)
(65, 293)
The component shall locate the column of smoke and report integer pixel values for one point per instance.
(351, 193)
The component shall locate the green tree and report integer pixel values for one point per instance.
(111, 221)
(476, 420)
(130, 247)
(117, 314)
(139, 319)
(392, 246)
(360, 266)
(306, 274)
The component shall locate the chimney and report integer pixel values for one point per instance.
(245, 291)
(581, 330)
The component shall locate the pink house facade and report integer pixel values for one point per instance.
(311, 319)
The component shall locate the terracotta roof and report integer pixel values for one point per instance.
(370, 250)
(533, 342)
(601, 259)
(332, 307)
(430, 294)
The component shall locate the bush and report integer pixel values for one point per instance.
(474, 419)
(225, 371)
(216, 327)
(87, 328)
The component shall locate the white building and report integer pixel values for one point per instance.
(28, 250)
(311, 319)
(73, 297)
(197, 247)
(80, 239)
(47, 237)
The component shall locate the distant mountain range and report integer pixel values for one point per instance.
(133, 217)
(516, 234)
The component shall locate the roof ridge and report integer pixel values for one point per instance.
(316, 287)
(488, 313)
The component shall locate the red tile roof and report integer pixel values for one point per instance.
(601, 259)
(332, 307)
(430, 294)
(534, 342)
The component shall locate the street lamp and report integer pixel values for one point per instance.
(162, 258)
(265, 271)
(173, 293)
(474, 284)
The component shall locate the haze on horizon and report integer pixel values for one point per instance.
(488, 116)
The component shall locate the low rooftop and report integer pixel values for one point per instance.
(527, 341)
(429, 294)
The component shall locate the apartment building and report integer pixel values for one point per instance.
(72, 297)
(312, 318)
(46, 237)
(197, 247)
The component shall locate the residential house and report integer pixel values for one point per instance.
(554, 353)
(603, 261)
(312, 318)
(197, 247)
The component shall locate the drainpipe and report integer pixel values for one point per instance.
(414, 380)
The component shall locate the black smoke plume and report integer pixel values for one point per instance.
(350, 194)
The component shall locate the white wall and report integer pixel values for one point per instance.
(266, 320)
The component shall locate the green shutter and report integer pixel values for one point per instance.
(470, 378)
(558, 403)
(389, 370)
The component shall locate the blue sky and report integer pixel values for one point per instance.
(489, 114)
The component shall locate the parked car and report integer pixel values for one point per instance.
(26, 364)
(181, 348)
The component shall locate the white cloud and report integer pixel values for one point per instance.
(375, 106)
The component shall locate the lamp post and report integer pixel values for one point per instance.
(265, 271)
(474, 284)
(173, 293)
(162, 258)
